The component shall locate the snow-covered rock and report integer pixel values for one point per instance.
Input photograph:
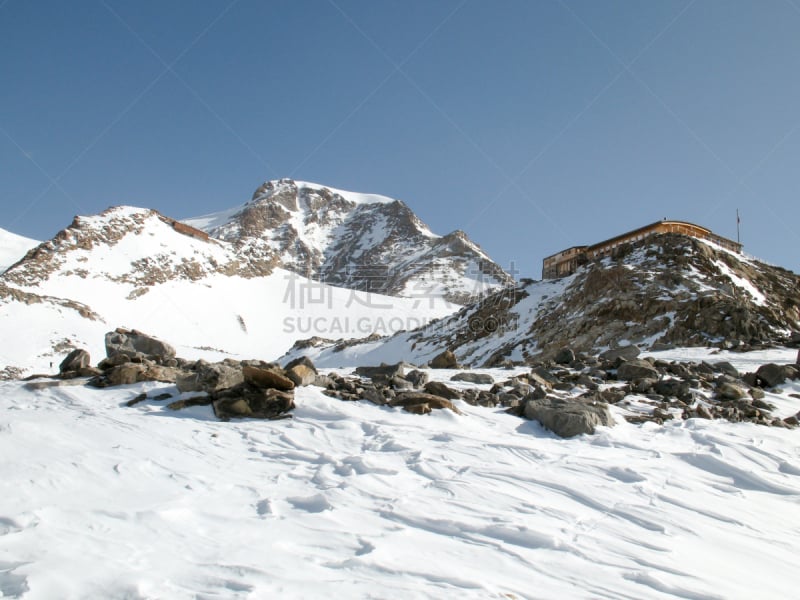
(13, 247)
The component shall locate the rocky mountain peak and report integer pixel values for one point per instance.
(361, 241)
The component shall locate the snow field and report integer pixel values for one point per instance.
(359, 501)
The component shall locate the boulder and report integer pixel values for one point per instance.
(267, 378)
(417, 378)
(135, 343)
(384, 372)
(439, 389)
(76, 360)
(636, 369)
(731, 391)
(625, 352)
(209, 377)
(564, 356)
(672, 388)
(543, 377)
(568, 417)
(445, 360)
(480, 378)
(301, 375)
(772, 375)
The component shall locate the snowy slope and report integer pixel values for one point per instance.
(351, 500)
(359, 241)
(130, 267)
(668, 291)
(13, 247)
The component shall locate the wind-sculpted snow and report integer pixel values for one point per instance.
(357, 501)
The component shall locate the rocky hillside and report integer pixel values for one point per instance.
(357, 241)
(668, 290)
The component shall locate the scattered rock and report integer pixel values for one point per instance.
(140, 398)
(479, 378)
(568, 417)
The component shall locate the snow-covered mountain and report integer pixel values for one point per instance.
(359, 241)
(13, 247)
(669, 290)
(137, 268)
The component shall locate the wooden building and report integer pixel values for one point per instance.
(567, 261)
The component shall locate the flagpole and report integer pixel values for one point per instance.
(738, 220)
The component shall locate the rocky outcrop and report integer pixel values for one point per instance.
(669, 290)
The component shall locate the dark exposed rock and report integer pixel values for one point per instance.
(564, 356)
(76, 360)
(445, 360)
(479, 378)
(772, 375)
(140, 398)
(568, 417)
(674, 388)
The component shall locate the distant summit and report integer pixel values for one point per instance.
(359, 241)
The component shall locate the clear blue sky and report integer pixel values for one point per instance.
(531, 124)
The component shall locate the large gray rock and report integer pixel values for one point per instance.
(568, 417)
(382, 372)
(209, 377)
(75, 361)
(636, 369)
(480, 378)
(772, 375)
(625, 352)
(135, 343)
